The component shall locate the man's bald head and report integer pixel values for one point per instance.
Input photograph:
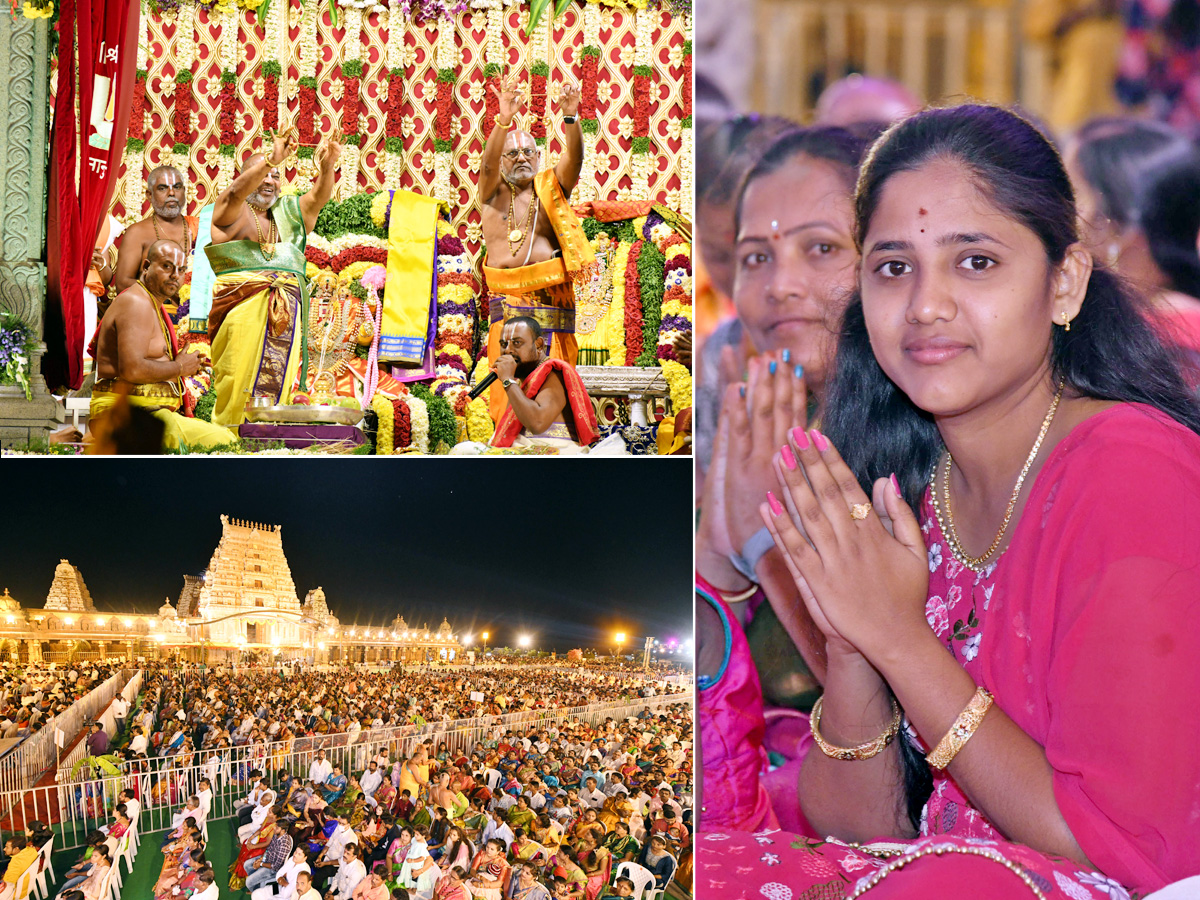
(519, 162)
(858, 99)
(168, 191)
(267, 192)
(162, 269)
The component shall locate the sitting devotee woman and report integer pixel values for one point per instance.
(180, 876)
(524, 848)
(452, 885)
(459, 851)
(489, 871)
(597, 865)
(253, 846)
(1138, 190)
(1039, 488)
(587, 828)
(396, 855)
(621, 844)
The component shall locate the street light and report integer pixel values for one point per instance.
(620, 641)
(524, 641)
(485, 639)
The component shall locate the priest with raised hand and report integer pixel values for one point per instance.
(260, 299)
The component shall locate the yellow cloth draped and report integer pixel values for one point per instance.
(411, 264)
(238, 346)
(179, 431)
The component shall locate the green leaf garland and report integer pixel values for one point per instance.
(651, 266)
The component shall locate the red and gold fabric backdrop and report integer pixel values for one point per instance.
(207, 88)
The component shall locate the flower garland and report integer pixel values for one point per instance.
(271, 70)
(306, 119)
(679, 381)
(589, 91)
(181, 121)
(687, 137)
(494, 59)
(447, 74)
(616, 311)
(393, 165)
(641, 161)
(539, 72)
(401, 424)
(650, 269)
(384, 440)
(135, 142)
(456, 323)
(442, 422)
(479, 421)
(352, 71)
(228, 24)
(418, 412)
(634, 320)
(677, 299)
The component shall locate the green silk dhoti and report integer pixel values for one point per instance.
(259, 316)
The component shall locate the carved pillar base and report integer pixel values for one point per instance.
(24, 114)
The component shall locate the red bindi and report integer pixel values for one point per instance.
(921, 211)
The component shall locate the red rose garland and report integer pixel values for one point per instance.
(394, 125)
(182, 119)
(137, 110)
(352, 71)
(491, 103)
(307, 119)
(271, 71)
(537, 98)
(687, 81)
(228, 114)
(633, 306)
(589, 89)
(402, 423)
(445, 108)
(641, 102)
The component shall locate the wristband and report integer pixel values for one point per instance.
(569, 120)
(746, 561)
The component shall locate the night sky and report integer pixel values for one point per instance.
(568, 551)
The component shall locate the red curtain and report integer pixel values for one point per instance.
(107, 32)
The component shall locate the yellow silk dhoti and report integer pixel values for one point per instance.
(179, 432)
(247, 360)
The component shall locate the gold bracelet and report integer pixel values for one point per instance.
(862, 751)
(962, 729)
(739, 597)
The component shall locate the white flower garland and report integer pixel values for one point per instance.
(308, 41)
(643, 50)
(447, 50)
(393, 170)
(354, 25)
(345, 242)
(230, 25)
(587, 168)
(591, 25)
(442, 164)
(494, 43)
(395, 41)
(348, 164)
(185, 56)
(640, 167)
(446, 57)
(135, 161)
(418, 413)
(225, 173)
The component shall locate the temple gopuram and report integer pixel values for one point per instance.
(243, 608)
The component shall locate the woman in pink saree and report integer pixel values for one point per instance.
(1016, 598)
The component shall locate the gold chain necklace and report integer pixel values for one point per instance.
(516, 236)
(267, 247)
(977, 563)
(187, 237)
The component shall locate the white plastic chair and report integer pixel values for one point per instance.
(120, 853)
(638, 874)
(493, 778)
(24, 886)
(41, 886)
(48, 872)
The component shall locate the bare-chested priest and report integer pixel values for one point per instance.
(536, 246)
(137, 355)
(167, 189)
(260, 296)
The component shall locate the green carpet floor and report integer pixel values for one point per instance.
(147, 867)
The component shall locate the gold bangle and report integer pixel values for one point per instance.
(962, 729)
(738, 598)
(862, 751)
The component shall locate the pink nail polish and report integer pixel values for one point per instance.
(776, 509)
(820, 441)
(789, 458)
(896, 486)
(800, 438)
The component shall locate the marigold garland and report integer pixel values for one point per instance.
(384, 439)
(616, 310)
(479, 421)
(679, 381)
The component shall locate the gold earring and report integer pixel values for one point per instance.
(1066, 321)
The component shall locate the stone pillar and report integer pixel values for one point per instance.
(24, 114)
(129, 651)
(100, 645)
(35, 647)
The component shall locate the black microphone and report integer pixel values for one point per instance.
(482, 386)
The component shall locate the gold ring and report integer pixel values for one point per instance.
(860, 511)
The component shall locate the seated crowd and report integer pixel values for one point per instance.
(547, 813)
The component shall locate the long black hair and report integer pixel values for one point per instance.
(1111, 353)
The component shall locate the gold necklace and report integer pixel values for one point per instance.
(267, 247)
(187, 236)
(977, 563)
(516, 236)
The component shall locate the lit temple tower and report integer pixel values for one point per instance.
(67, 591)
(247, 585)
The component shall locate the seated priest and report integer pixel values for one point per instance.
(547, 404)
(138, 360)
